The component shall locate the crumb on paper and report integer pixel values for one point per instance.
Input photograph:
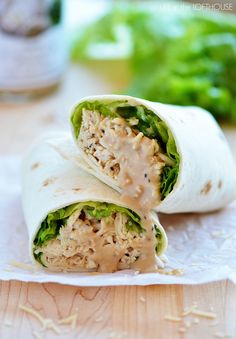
(172, 318)
(176, 271)
(142, 299)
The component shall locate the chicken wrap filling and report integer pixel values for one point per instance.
(94, 236)
(131, 145)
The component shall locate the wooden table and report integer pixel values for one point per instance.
(109, 312)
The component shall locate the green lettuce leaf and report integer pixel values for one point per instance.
(159, 237)
(105, 109)
(148, 123)
(55, 220)
(180, 57)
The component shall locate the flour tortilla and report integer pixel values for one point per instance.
(51, 181)
(207, 171)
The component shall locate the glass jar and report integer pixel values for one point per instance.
(32, 47)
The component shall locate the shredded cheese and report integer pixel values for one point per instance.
(204, 314)
(188, 310)
(46, 323)
(23, 265)
(176, 272)
(72, 320)
(142, 299)
(172, 318)
(33, 312)
(49, 324)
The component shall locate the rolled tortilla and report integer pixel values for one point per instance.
(76, 223)
(169, 158)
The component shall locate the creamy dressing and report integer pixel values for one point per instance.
(135, 162)
(140, 165)
(106, 246)
(126, 155)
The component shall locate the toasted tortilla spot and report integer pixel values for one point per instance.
(220, 183)
(49, 181)
(35, 165)
(206, 189)
(76, 189)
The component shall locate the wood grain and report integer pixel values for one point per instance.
(115, 312)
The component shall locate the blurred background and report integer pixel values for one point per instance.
(53, 52)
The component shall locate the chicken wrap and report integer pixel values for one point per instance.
(77, 223)
(168, 158)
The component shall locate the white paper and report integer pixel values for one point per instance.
(203, 245)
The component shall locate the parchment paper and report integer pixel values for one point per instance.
(202, 245)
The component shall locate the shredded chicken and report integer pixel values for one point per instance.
(125, 155)
(85, 243)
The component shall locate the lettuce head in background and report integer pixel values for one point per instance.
(176, 54)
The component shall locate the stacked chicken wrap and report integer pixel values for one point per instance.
(169, 158)
(77, 223)
(154, 157)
